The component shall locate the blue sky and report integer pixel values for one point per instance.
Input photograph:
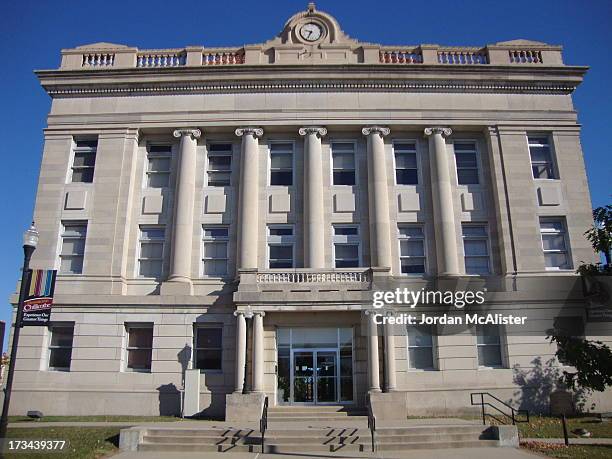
(33, 32)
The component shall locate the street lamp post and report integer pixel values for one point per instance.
(30, 240)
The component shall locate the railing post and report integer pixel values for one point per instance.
(565, 436)
(484, 421)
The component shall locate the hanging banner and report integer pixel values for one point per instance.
(39, 297)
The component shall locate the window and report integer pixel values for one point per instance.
(541, 158)
(346, 246)
(208, 347)
(467, 163)
(60, 346)
(488, 342)
(554, 243)
(281, 164)
(343, 160)
(151, 256)
(214, 251)
(139, 346)
(476, 249)
(84, 160)
(73, 247)
(406, 170)
(420, 347)
(219, 170)
(159, 160)
(280, 247)
(412, 249)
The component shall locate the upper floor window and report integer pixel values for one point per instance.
(346, 246)
(139, 346)
(476, 249)
(554, 243)
(343, 159)
(60, 346)
(412, 249)
(219, 170)
(406, 170)
(280, 246)
(488, 342)
(540, 152)
(84, 160)
(208, 347)
(159, 160)
(420, 347)
(281, 163)
(467, 163)
(73, 247)
(214, 251)
(151, 256)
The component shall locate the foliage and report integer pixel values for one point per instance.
(591, 359)
(596, 269)
(600, 234)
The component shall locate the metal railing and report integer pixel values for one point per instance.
(372, 425)
(514, 413)
(263, 423)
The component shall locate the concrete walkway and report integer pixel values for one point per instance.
(455, 453)
(572, 441)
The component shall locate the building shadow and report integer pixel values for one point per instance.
(169, 400)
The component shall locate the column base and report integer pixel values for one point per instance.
(243, 407)
(388, 405)
(176, 287)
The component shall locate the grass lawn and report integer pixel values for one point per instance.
(84, 442)
(572, 451)
(549, 427)
(96, 419)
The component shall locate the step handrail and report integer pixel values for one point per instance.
(263, 423)
(372, 425)
(514, 413)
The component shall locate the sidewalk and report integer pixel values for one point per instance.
(572, 441)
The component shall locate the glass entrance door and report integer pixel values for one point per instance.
(315, 375)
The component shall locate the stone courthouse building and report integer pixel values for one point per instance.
(219, 217)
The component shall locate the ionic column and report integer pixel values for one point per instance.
(378, 197)
(182, 234)
(248, 197)
(241, 343)
(258, 351)
(314, 215)
(373, 367)
(390, 377)
(442, 193)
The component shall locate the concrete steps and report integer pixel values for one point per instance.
(306, 413)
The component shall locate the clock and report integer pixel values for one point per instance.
(311, 31)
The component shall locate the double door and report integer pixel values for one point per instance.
(314, 375)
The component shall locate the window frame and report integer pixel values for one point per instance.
(331, 165)
(566, 243)
(282, 152)
(553, 163)
(401, 238)
(148, 172)
(51, 347)
(206, 239)
(488, 245)
(64, 225)
(478, 162)
(417, 157)
(280, 242)
(139, 254)
(85, 150)
(356, 240)
(228, 153)
(202, 325)
(500, 345)
(433, 348)
(129, 326)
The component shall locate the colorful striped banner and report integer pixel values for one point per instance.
(39, 299)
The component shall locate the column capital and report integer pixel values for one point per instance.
(382, 130)
(317, 130)
(238, 313)
(254, 131)
(260, 313)
(195, 133)
(444, 131)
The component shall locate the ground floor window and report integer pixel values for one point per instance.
(208, 347)
(489, 346)
(139, 346)
(60, 346)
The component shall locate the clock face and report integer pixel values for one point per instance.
(311, 31)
